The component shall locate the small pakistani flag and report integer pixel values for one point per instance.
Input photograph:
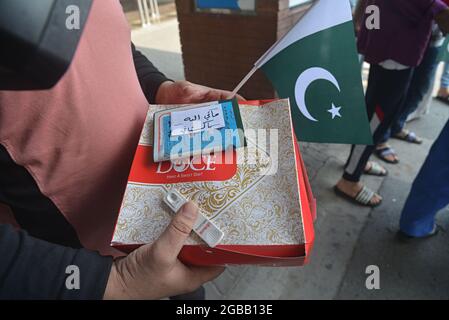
(444, 53)
(316, 65)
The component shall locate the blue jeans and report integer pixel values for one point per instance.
(423, 76)
(445, 76)
(430, 190)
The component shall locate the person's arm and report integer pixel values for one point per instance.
(442, 19)
(35, 269)
(150, 78)
(437, 7)
(158, 89)
(153, 271)
(415, 10)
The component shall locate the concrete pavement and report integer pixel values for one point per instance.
(348, 237)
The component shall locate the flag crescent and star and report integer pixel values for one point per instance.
(316, 66)
(302, 84)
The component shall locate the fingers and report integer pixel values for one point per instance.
(226, 95)
(213, 95)
(210, 94)
(240, 98)
(195, 93)
(166, 249)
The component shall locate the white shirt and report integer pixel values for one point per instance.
(393, 65)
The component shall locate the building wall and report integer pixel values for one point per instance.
(219, 49)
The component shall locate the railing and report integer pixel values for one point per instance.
(148, 14)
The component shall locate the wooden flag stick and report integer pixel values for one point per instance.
(244, 80)
(261, 61)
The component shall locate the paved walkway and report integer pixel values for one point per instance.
(349, 238)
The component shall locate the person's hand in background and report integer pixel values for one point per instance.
(442, 19)
(183, 92)
(153, 271)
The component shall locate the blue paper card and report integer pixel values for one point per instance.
(227, 133)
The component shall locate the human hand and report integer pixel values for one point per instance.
(153, 271)
(442, 19)
(183, 92)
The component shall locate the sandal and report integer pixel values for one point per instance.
(383, 152)
(409, 137)
(376, 170)
(443, 99)
(362, 198)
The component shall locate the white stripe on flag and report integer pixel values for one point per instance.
(324, 14)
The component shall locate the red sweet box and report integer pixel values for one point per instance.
(263, 203)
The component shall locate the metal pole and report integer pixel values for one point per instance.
(147, 12)
(158, 14)
(142, 17)
(153, 14)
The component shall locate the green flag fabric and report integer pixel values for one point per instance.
(316, 65)
(444, 54)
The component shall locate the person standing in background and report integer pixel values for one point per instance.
(393, 51)
(420, 84)
(443, 92)
(429, 193)
(65, 155)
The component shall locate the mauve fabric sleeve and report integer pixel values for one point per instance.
(415, 10)
(150, 78)
(438, 6)
(34, 269)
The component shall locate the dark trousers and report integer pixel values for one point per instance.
(385, 96)
(430, 190)
(422, 78)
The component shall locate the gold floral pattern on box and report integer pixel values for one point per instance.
(251, 208)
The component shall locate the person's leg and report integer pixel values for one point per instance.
(383, 150)
(444, 86)
(445, 76)
(419, 86)
(357, 157)
(430, 190)
(384, 96)
(385, 137)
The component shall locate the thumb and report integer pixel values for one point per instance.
(166, 249)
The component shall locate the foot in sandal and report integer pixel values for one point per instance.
(357, 193)
(374, 169)
(408, 136)
(443, 95)
(386, 153)
(443, 92)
